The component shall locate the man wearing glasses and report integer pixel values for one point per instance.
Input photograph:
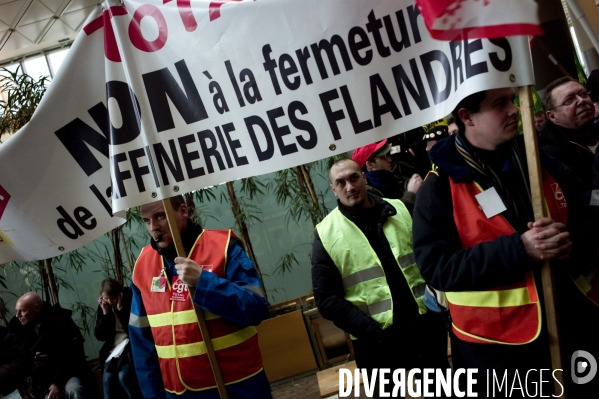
(570, 134)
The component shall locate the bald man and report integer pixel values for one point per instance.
(56, 345)
(29, 308)
(366, 242)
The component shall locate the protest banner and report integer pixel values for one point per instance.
(49, 205)
(447, 19)
(159, 99)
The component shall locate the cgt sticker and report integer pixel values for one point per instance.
(558, 195)
(179, 290)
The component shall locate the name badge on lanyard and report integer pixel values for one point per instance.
(490, 202)
(158, 283)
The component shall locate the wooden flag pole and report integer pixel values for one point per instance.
(172, 222)
(536, 188)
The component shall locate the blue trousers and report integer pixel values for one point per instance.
(121, 383)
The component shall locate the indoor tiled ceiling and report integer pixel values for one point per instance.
(27, 26)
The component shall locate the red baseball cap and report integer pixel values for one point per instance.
(362, 154)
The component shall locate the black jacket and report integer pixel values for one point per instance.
(566, 148)
(414, 340)
(15, 362)
(105, 329)
(442, 260)
(385, 184)
(328, 285)
(60, 339)
(447, 266)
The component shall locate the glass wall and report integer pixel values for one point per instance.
(44, 64)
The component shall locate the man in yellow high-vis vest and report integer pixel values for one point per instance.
(476, 238)
(366, 281)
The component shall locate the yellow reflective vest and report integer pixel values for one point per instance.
(361, 269)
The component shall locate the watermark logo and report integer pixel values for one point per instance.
(583, 367)
(428, 382)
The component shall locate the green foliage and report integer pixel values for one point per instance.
(101, 255)
(133, 218)
(87, 316)
(29, 273)
(244, 212)
(252, 186)
(293, 189)
(205, 194)
(202, 213)
(23, 94)
(275, 290)
(4, 312)
(134, 244)
(286, 262)
(288, 192)
(248, 213)
(75, 259)
(60, 280)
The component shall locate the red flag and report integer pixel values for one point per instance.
(450, 19)
(4, 197)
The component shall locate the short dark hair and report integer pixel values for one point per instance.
(340, 161)
(471, 103)
(177, 201)
(372, 159)
(547, 99)
(111, 287)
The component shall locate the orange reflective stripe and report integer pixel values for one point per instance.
(183, 362)
(505, 315)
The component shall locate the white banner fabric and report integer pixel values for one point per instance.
(448, 19)
(162, 99)
(48, 204)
